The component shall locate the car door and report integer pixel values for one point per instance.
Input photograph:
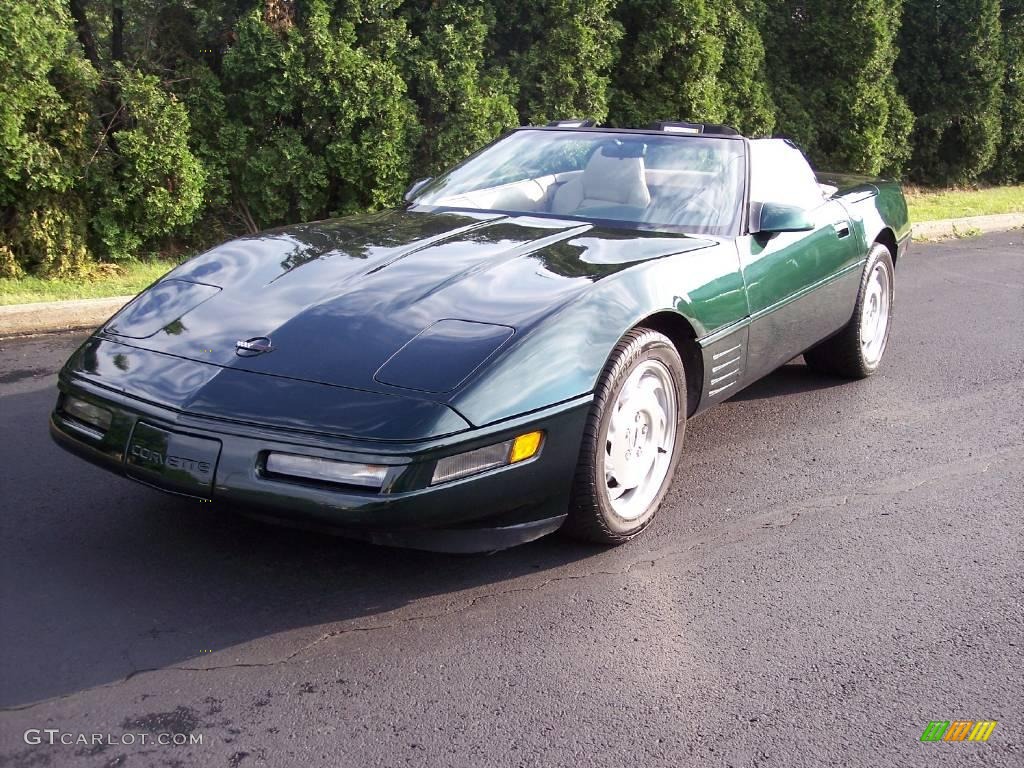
(801, 286)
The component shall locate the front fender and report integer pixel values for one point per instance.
(562, 357)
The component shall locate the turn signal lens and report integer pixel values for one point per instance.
(525, 447)
(471, 463)
(489, 457)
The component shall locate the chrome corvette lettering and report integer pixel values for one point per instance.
(174, 462)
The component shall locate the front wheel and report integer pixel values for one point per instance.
(856, 351)
(632, 441)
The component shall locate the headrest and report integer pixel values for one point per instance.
(616, 180)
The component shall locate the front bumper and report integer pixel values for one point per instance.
(224, 463)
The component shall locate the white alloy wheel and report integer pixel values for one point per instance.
(641, 439)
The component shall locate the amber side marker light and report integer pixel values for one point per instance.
(525, 447)
(502, 454)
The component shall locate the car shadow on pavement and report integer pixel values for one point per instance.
(102, 577)
(790, 379)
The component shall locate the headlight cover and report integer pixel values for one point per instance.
(443, 356)
(158, 307)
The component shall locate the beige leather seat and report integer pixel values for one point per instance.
(605, 181)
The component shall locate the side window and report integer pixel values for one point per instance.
(779, 173)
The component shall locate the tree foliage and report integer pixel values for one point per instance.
(149, 184)
(673, 58)
(133, 127)
(951, 69)
(746, 92)
(463, 102)
(694, 60)
(315, 122)
(46, 128)
(560, 53)
(832, 64)
(1009, 164)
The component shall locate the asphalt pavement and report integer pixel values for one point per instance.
(836, 565)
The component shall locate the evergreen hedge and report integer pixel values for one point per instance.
(952, 70)
(136, 127)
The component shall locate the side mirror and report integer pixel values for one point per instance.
(776, 217)
(415, 187)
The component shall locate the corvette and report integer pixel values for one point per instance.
(516, 350)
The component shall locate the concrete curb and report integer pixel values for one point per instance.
(48, 316)
(967, 226)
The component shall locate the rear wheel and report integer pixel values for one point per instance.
(856, 351)
(632, 441)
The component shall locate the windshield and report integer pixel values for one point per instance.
(673, 183)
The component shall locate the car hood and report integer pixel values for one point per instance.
(332, 302)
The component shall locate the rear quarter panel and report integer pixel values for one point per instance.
(874, 205)
(891, 209)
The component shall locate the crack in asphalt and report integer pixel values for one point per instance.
(780, 517)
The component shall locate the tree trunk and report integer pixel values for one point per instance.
(84, 31)
(117, 30)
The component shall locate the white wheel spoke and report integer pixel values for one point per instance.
(628, 389)
(875, 308)
(616, 492)
(641, 436)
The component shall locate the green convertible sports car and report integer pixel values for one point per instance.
(515, 350)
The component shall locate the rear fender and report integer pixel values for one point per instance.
(874, 206)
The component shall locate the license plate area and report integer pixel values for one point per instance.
(172, 460)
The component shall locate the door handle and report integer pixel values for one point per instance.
(842, 229)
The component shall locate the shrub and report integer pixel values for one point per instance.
(462, 102)
(357, 106)
(319, 124)
(149, 126)
(1009, 166)
(671, 58)
(951, 70)
(831, 63)
(149, 183)
(46, 139)
(560, 54)
(694, 60)
(745, 91)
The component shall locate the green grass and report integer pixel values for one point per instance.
(128, 279)
(936, 205)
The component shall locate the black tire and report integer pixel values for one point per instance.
(843, 354)
(591, 515)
